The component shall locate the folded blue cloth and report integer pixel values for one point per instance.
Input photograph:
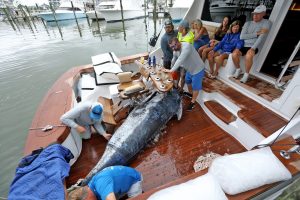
(41, 174)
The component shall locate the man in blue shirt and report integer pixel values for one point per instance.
(110, 184)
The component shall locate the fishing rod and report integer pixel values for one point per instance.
(154, 39)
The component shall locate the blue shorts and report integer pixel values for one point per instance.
(195, 80)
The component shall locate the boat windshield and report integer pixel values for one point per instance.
(106, 6)
(68, 8)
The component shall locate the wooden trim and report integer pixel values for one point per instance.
(56, 102)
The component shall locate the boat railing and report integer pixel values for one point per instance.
(278, 83)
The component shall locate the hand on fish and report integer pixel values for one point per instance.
(167, 70)
(107, 136)
(80, 129)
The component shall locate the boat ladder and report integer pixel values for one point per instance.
(278, 82)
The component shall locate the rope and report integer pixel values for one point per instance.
(271, 144)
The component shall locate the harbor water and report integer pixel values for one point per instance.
(32, 59)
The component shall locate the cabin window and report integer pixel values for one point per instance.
(216, 10)
(69, 8)
(284, 43)
(106, 7)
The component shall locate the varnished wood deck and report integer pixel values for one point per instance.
(259, 117)
(173, 156)
(170, 161)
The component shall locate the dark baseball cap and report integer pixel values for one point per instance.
(168, 22)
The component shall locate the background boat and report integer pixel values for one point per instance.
(91, 15)
(179, 9)
(65, 12)
(111, 10)
(220, 8)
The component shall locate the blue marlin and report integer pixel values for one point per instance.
(142, 125)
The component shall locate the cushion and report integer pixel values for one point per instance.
(133, 89)
(124, 77)
(245, 171)
(203, 187)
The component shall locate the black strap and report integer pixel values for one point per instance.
(112, 57)
(160, 31)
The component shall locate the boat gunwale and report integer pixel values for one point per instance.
(62, 88)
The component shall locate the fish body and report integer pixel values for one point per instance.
(142, 124)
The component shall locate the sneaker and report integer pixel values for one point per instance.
(188, 94)
(190, 106)
(245, 78)
(180, 92)
(237, 73)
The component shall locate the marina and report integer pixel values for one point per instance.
(252, 128)
(42, 56)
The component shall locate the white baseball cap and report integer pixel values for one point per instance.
(259, 9)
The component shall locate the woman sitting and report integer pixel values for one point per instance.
(201, 34)
(222, 50)
(219, 34)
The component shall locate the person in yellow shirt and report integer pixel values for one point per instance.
(184, 33)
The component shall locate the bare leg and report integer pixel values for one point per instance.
(182, 79)
(236, 58)
(195, 95)
(211, 62)
(205, 52)
(200, 50)
(249, 60)
(219, 62)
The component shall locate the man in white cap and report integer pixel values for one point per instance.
(253, 33)
(83, 116)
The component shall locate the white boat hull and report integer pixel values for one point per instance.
(65, 15)
(92, 15)
(115, 15)
(177, 14)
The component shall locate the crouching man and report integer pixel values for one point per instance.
(83, 116)
(110, 184)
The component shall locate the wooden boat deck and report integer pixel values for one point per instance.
(173, 156)
(257, 116)
(170, 161)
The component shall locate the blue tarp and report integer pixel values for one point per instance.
(41, 174)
